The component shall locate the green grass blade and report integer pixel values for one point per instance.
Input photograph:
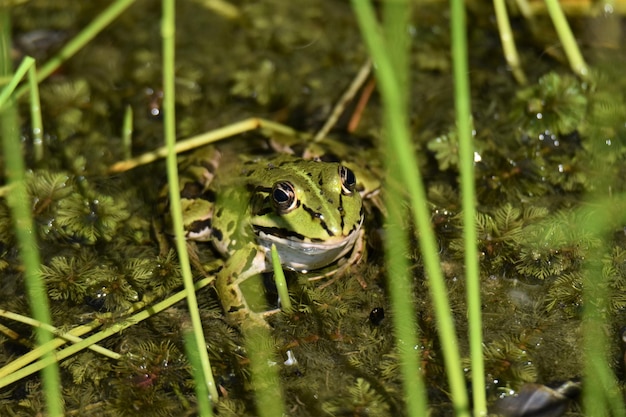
(508, 41)
(202, 393)
(468, 194)
(81, 39)
(280, 281)
(575, 57)
(601, 394)
(20, 208)
(6, 100)
(168, 30)
(396, 17)
(127, 133)
(260, 349)
(12, 373)
(398, 133)
(400, 283)
(57, 332)
(35, 114)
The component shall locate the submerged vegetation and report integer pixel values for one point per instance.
(539, 149)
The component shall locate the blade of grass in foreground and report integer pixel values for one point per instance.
(397, 132)
(602, 394)
(168, 30)
(396, 17)
(261, 349)
(19, 205)
(202, 393)
(468, 195)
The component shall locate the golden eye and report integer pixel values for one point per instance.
(284, 197)
(348, 180)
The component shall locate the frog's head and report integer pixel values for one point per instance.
(311, 210)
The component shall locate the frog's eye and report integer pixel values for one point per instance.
(284, 197)
(348, 180)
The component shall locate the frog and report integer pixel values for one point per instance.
(311, 210)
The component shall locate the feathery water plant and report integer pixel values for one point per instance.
(525, 252)
(557, 103)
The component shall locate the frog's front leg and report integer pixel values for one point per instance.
(247, 262)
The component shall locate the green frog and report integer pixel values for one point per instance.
(310, 210)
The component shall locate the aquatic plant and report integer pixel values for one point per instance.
(557, 103)
(99, 256)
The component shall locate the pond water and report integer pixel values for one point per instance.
(541, 150)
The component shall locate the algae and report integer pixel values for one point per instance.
(537, 147)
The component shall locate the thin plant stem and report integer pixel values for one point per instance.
(168, 30)
(602, 394)
(280, 281)
(398, 134)
(81, 39)
(21, 214)
(400, 283)
(395, 22)
(35, 114)
(6, 98)
(57, 332)
(468, 197)
(207, 138)
(340, 106)
(127, 133)
(268, 394)
(575, 57)
(508, 41)
(202, 393)
(22, 371)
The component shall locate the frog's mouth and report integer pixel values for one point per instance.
(303, 255)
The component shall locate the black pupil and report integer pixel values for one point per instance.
(280, 196)
(349, 178)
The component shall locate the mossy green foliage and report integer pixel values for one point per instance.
(530, 223)
(280, 59)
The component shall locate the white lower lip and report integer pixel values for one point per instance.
(305, 256)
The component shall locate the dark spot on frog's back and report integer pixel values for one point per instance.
(230, 226)
(200, 225)
(191, 190)
(209, 195)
